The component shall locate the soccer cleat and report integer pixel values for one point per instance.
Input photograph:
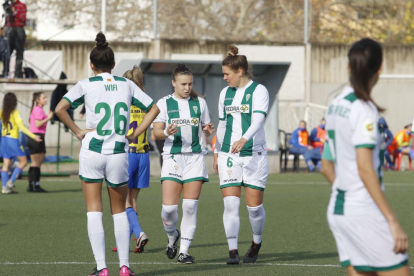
(38, 189)
(141, 243)
(126, 271)
(11, 187)
(30, 188)
(185, 258)
(6, 190)
(172, 251)
(102, 272)
(114, 249)
(251, 256)
(233, 257)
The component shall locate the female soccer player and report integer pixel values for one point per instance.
(10, 146)
(240, 156)
(368, 236)
(38, 122)
(104, 147)
(139, 164)
(183, 119)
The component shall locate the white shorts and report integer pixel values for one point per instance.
(365, 242)
(248, 171)
(184, 167)
(95, 167)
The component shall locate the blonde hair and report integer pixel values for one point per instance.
(136, 76)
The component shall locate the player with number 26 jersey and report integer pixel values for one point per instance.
(107, 100)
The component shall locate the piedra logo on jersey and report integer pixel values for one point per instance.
(185, 122)
(244, 108)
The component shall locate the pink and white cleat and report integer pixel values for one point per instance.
(126, 271)
(102, 272)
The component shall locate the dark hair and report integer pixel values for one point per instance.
(36, 96)
(102, 56)
(365, 59)
(182, 69)
(136, 76)
(235, 61)
(9, 104)
(302, 121)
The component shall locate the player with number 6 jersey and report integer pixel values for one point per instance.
(240, 155)
(104, 152)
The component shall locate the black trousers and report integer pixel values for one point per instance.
(17, 39)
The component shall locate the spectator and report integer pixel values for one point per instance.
(318, 136)
(387, 138)
(15, 22)
(401, 143)
(4, 53)
(300, 145)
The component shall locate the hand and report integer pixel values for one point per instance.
(130, 138)
(172, 129)
(310, 148)
(400, 238)
(81, 115)
(208, 129)
(37, 139)
(238, 145)
(50, 115)
(215, 163)
(322, 140)
(81, 134)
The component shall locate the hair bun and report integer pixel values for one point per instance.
(233, 50)
(181, 65)
(101, 40)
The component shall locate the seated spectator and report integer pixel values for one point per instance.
(300, 145)
(318, 136)
(401, 143)
(387, 138)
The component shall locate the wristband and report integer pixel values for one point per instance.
(166, 133)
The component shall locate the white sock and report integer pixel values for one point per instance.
(97, 238)
(188, 224)
(169, 215)
(231, 220)
(257, 218)
(121, 229)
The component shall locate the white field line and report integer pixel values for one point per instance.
(170, 264)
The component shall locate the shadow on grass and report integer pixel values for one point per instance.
(285, 257)
(65, 191)
(162, 249)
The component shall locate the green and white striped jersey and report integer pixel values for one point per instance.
(189, 115)
(107, 101)
(351, 124)
(236, 106)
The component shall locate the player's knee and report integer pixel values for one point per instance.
(169, 211)
(190, 207)
(256, 212)
(231, 205)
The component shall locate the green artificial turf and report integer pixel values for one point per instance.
(46, 234)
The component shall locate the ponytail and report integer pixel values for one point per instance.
(36, 96)
(365, 59)
(136, 76)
